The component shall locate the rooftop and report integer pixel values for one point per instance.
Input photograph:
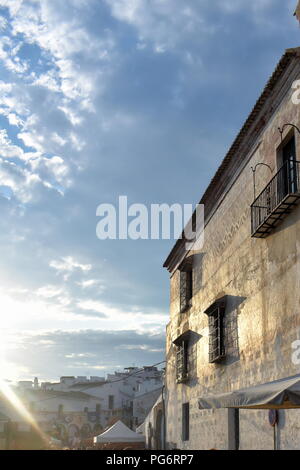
(57, 393)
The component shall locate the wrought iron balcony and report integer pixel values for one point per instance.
(277, 200)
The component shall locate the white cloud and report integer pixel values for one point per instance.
(12, 99)
(167, 24)
(15, 120)
(35, 172)
(19, 180)
(5, 87)
(58, 139)
(3, 22)
(33, 140)
(7, 148)
(49, 291)
(68, 265)
(62, 38)
(80, 356)
(77, 143)
(12, 5)
(72, 115)
(89, 283)
(51, 168)
(74, 68)
(75, 65)
(162, 23)
(127, 318)
(8, 55)
(139, 347)
(26, 314)
(48, 80)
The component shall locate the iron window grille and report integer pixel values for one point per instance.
(186, 285)
(216, 314)
(182, 362)
(277, 200)
(182, 357)
(280, 195)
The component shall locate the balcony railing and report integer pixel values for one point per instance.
(277, 200)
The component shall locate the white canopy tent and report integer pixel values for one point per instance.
(118, 433)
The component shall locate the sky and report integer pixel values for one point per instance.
(102, 98)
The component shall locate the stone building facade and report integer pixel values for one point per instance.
(235, 304)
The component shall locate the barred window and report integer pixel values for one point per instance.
(216, 314)
(186, 285)
(182, 357)
(182, 362)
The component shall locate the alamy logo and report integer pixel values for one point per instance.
(159, 222)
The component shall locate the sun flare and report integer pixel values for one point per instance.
(20, 411)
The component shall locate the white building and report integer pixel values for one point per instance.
(118, 392)
(143, 402)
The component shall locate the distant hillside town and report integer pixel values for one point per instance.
(75, 408)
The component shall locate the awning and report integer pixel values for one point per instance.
(183, 337)
(280, 394)
(119, 433)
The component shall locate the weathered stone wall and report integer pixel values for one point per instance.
(261, 279)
